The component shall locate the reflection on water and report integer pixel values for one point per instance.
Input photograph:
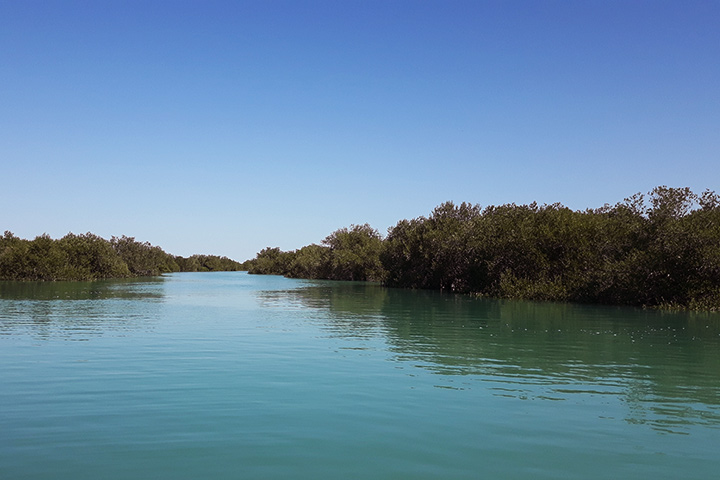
(77, 310)
(228, 375)
(664, 366)
(136, 288)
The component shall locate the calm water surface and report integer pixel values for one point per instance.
(227, 375)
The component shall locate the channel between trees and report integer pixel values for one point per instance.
(659, 249)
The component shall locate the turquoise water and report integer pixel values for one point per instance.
(228, 375)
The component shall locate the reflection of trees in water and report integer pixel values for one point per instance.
(345, 309)
(77, 310)
(666, 366)
(135, 288)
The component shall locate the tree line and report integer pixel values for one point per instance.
(655, 249)
(89, 257)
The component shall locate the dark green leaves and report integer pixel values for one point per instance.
(89, 257)
(662, 248)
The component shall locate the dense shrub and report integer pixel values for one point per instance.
(660, 249)
(88, 257)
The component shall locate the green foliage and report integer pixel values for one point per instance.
(659, 249)
(354, 254)
(143, 259)
(346, 254)
(438, 252)
(189, 264)
(89, 257)
(311, 261)
(92, 257)
(74, 257)
(655, 250)
(208, 263)
(271, 261)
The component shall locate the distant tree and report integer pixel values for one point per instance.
(89, 257)
(272, 261)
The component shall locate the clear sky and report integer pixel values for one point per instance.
(225, 127)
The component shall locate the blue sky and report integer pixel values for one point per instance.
(225, 127)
